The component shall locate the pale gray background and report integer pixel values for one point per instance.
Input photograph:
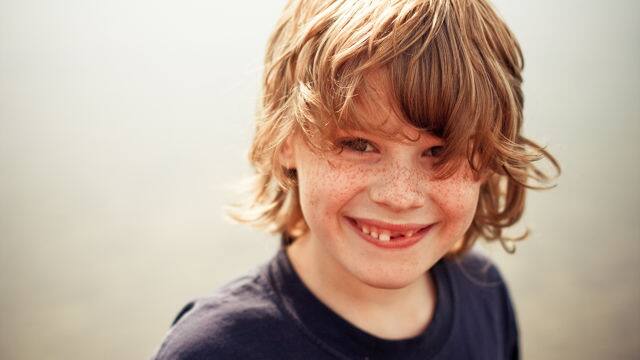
(124, 124)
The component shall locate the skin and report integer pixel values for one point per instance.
(386, 292)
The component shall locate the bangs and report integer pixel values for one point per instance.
(450, 69)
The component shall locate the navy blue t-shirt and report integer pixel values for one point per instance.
(271, 314)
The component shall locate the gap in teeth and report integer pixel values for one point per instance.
(383, 235)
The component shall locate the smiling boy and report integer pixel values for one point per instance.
(379, 190)
(388, 142)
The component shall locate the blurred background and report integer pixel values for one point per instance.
(124, 126)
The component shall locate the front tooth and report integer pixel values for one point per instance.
(374, 234)
(365, 229)
(385, 236)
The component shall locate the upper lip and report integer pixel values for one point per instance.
(389, 226)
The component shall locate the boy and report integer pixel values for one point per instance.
(388, 141)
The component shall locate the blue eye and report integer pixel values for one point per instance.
(434, 151)
(357, 144)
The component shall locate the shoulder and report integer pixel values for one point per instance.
(475, 271)
(483, 302)
(240, 313)
(479, 284)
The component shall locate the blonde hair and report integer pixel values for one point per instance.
(454, 69)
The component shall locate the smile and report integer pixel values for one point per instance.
(389, 236)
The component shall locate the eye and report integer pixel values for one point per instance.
(434, 151)
(357, 144)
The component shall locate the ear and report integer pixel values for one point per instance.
(286, 155)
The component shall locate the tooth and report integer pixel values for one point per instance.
(374, 234)
(385, 236)
(409, 233)
(365, 229)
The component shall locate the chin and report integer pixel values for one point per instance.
(390, 280)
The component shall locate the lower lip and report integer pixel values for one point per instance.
(391, 244)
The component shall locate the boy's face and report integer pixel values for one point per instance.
(385, 186)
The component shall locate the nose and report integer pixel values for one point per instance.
(399, 188)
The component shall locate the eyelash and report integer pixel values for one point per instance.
(352, 143)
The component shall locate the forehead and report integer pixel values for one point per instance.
(376, 110)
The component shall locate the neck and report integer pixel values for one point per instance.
(386, 313)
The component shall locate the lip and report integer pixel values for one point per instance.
(389, 226)
(422, 230)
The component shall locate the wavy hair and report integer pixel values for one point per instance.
(454, 69)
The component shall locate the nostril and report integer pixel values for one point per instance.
(398, 189)
(397, 198)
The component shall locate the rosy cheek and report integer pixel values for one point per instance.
(457, 198)
(330, 183)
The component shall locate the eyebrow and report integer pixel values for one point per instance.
(424, 135)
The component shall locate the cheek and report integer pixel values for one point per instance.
(457, 199)
(325, 186)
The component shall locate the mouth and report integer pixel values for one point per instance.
(387, 235)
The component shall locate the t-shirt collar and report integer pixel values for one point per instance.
(343, 339)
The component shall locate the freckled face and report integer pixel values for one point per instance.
(383, 180)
